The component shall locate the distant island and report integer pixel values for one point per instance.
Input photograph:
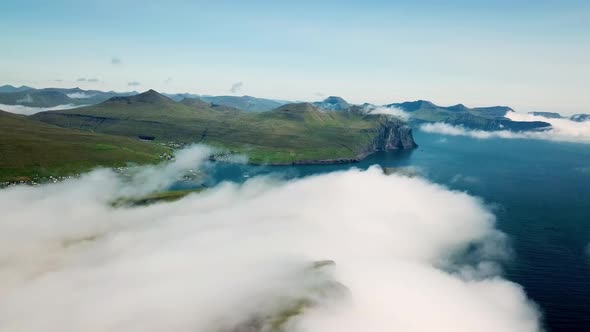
(552, 115)
(481, 118)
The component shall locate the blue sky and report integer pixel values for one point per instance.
(531, 55)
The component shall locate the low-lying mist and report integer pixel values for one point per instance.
(393, 111)
(562, 130)
(29, 110)
(409, 255)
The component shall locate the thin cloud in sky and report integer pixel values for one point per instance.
(236, 87)
(83, 79)
(134, 83)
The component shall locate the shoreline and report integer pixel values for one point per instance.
(335, 161)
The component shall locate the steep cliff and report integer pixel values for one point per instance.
(388, 135)
(392, 134)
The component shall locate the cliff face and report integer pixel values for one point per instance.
(394, 137)
(391, 135)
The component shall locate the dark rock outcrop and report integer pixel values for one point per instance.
(580, 117)
(393, 137)
(392, 134)
(550, 115)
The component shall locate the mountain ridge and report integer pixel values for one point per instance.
(292, 133)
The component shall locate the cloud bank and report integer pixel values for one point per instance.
(562, 130)
(83, 79)
(447, 129)
(236, 257)
(398, 112)
(27, 110)
(80, 95)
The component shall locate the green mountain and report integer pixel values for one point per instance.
(29, 148)
(245, 103)
(482, 118)
(10, 88)
(293, 133)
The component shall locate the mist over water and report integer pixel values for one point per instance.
(30, 110)
(240, 253)
(561, 130)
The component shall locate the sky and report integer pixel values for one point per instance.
(530, 55)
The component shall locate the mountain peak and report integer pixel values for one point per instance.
(334, 99)
(151, 96)
(10, 88)
(333, 103)
(411, 106)
(458, 107)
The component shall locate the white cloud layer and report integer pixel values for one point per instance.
(28, 110)
(80, 95)
(234, 254)
(390, 111)
(562, 130)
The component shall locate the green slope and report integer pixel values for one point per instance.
(291, 133)
(30, 148)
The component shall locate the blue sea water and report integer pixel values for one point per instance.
(539, 191)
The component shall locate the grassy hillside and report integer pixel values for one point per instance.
(30, 148)
(291, 133)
